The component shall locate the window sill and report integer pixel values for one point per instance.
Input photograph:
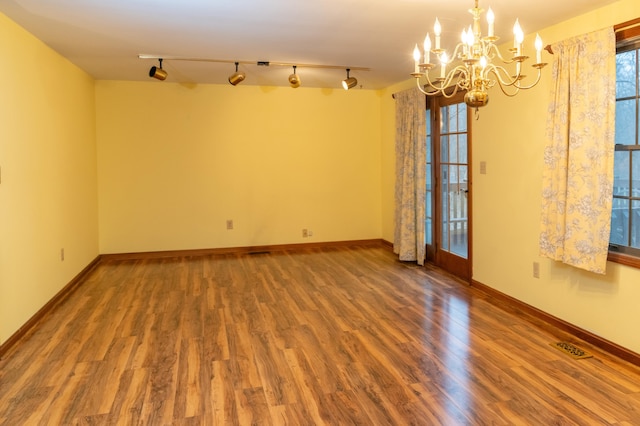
(624, 259)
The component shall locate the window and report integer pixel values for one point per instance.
(625, 214)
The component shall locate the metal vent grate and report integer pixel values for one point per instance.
(571, 350)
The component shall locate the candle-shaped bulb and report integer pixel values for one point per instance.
(519, 38)
(437, 29)
(416, 59)
(427, 49)
(483, 62)
(471, 39)
(463, 38)
(516, 29)
(491, 18)
(443, 61)
(538, 45)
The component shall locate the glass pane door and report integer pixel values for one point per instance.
(454, 179)
(428, 229)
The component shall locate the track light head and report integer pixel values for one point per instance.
(294, 79)
(158, 72)
(237, 77)
(349, 82)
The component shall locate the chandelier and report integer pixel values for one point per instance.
(473, 66)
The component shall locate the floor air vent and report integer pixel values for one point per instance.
(571, 350)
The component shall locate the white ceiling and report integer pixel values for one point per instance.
(105, 37)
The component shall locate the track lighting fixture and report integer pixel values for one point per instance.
(294, 79)
(236, 77)
(349, 82)
(158, 72)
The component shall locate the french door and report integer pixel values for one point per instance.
(448, 198)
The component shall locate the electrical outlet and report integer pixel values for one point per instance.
(483, 167)
(536, 270)
(305, 233)
(310, 233)
(229, 224)
(62, 255)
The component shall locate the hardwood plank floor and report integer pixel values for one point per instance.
(344, 335)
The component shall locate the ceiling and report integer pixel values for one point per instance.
(105, 37)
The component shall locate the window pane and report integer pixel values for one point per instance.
(462, 117)
(621, 173)
(626, 74)
(635, 224)
(458, 213)
(453, 149)
(626, 122)
(453, 178)
(620, 222)
(464, 178)
(635, 174)
(625, 212)
(444, 148)
(445, 207)
(462, 148)
(452, 113)
(444, 120)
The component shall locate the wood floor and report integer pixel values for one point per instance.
(316, 336)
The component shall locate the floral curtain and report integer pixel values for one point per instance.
(579, 152)
(409, 242)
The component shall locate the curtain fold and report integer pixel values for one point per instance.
(410, 189)
(579, 152)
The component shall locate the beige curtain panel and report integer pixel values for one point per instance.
(579, 152)
(411, 134)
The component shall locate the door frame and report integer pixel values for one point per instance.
(452, 263)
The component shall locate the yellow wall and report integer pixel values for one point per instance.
(510, 136)
(177, 161)
(174, 162)
(48, 197)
